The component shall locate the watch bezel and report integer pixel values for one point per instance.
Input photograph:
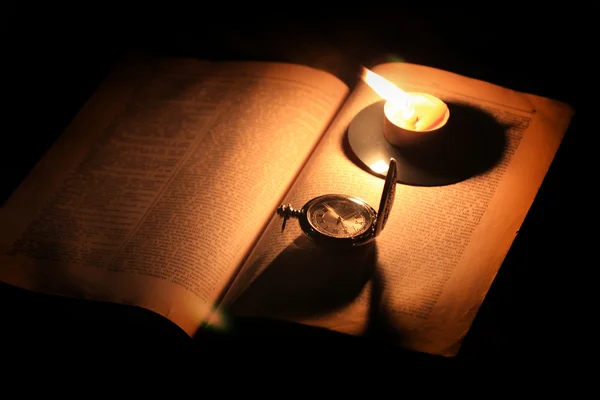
(322, 238)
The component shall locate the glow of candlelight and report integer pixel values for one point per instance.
(381, 167)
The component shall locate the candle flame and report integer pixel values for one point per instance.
(396, 97)
(386, 89)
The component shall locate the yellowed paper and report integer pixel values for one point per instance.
(161, 185)
(423, 280)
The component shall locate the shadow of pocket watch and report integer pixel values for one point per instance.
(343, 220)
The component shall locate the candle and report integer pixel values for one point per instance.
(426, 112)
(406, 128)
(409, 118)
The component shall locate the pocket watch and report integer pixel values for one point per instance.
(343, 220)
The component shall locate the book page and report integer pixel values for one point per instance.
(422, 281)
(161, 185)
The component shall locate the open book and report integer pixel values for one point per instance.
(163, 191)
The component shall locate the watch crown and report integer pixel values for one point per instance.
(287, 211)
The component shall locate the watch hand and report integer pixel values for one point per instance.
(343, 223)
(345, 228)
(340, 220)
(336, 215)
(348, 216)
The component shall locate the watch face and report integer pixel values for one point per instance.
(339, 216)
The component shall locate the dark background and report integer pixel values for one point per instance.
(54, 58)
